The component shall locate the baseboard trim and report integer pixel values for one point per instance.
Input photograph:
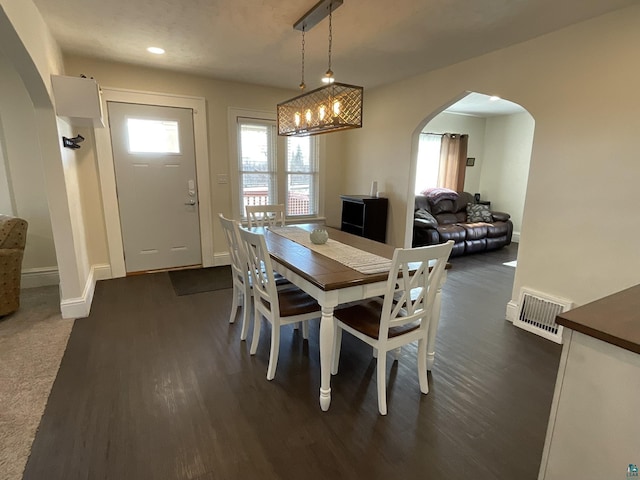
(512, 311)
(80, 307)
(39, 277)
(221, 259)
(102, 271)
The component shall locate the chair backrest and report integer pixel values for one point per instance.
(261, 215)
(261, 271)
(413, 281)
(236, 251)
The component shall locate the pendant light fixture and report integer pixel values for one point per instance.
(334, 107)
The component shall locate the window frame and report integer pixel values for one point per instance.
(314, 174)
(272, 161)
(235, 115)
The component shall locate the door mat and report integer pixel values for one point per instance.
(198, 280)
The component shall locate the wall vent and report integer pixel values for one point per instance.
(537, 314)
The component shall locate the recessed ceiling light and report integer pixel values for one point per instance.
(494, 98)
(156, 50)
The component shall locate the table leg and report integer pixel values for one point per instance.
(433, 326)
(327, 325)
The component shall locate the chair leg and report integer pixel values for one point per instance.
(246, 313)
(382, 383)
(257, 321)
(337, 345)
(275, 349)
(422, 366)
(236, 304)
(305, 329)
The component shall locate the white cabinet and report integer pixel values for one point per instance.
(78, 99)
(594, 426)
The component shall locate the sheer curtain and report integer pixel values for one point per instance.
(428, 164)
(453, 161)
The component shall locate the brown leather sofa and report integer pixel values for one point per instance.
(447, 219)
(13, 235)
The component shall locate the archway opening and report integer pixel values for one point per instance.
(500, 138)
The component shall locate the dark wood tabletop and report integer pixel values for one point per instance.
(320, 270)
(614, 319)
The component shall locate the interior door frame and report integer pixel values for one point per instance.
(108, 179)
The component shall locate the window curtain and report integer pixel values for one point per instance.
(453, 161)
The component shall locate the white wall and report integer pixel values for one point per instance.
(505, 172)
(6, 194)
(581, 88)
(475, 128)
(28, 45)
(25, 169)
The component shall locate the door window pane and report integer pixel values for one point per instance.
(153, 136)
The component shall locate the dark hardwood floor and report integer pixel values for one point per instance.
(156, 386)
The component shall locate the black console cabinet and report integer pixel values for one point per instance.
(365, 216)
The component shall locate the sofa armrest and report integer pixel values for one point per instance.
(421, 223)
(500, 216)
(424, 234)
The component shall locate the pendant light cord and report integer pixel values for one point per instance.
(330, 36)
(302, 84)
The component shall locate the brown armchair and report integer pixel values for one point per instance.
(13, 235)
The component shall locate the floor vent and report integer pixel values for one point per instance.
(537, 314)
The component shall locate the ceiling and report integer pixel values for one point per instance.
(374, 41)
(480, 105)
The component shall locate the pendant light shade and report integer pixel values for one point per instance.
(334, 107)
(331, 108)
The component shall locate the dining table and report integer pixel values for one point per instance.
(332, 283)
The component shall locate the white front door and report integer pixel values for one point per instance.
(154, 160)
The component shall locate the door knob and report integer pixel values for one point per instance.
(190, 202)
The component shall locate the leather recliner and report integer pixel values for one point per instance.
(451, 224)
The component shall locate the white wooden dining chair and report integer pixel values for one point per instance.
(269, 215)
(279, 307)
(402, 316)
(239, 273)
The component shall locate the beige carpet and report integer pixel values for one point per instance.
(32, 342)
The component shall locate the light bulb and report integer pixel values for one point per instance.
(328, 77)
(336, 108)
(322, 111)
(296, 118)
(308, 116)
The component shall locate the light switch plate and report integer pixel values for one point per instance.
(223, 178)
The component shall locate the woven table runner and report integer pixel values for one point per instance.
(363, 262)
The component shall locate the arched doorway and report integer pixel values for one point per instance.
(500, 138)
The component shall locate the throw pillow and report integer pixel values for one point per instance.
(422, 214)
(434, 195)
(478, 213)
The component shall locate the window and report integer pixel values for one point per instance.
(153, 136)
(274, 169)
(257, 163)
(428, 165)
(302, 176)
